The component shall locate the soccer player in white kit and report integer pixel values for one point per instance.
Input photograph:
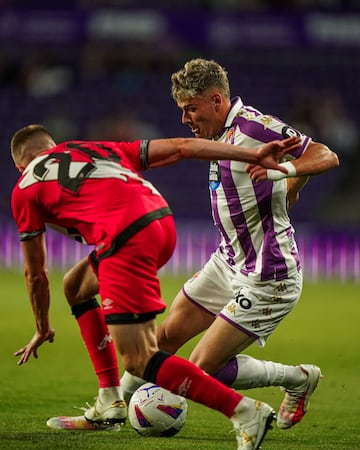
(254, 278)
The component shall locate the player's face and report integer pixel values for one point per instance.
(202, 116)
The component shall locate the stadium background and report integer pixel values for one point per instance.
(101, 70)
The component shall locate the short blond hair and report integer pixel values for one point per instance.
(197, 76)
(22, 137)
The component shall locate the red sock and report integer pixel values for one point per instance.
(184, 378)
(100, 347)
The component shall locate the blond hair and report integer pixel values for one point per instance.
(197, 76)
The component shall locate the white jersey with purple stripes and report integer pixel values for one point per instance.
(257, 238)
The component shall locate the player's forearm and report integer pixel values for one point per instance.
(163, 152)
(317, 159)
(39, 295)
(213, 150)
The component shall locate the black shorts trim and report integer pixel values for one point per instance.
(132, 229)
(129, 318)
(81, 308)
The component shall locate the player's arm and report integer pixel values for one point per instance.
(317, 159)
(37, 284)
(163, 152)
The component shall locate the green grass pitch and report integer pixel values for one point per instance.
(323, 329)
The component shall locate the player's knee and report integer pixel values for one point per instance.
(207, 365)
(198, 361)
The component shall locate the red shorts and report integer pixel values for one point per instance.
(129, 286)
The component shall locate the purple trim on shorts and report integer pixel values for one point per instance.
(249, 333)
(197, 304)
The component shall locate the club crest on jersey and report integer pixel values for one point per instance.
(229, 138)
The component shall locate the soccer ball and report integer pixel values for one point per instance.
(155, 411)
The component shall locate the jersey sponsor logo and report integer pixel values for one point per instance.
(288, 132)
(214, 175)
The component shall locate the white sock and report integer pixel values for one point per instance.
(246, 409)
(129, 384)
(110, 394)
(254, 373)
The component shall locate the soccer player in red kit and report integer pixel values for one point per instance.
(94, 192)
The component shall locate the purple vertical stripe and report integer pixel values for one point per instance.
(273, 261)
(237, 217)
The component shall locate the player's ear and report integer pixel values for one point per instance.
(216, 100)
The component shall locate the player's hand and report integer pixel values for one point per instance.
(257, 173)
(31, 348)
(270, 154)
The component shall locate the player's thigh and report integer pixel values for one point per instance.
(220, 343)
(128, 278)
(184, 321)
(136, 344)
(80, 282)
(211, 288)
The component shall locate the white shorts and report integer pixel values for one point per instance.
(252, 307)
